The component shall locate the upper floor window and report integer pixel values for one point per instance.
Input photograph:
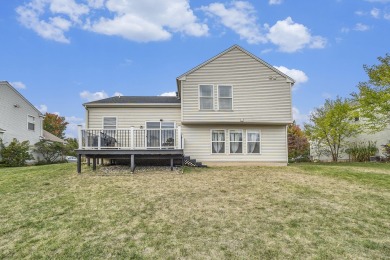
(31, 123)
(225, 97)
(109, 123)
(206, 94)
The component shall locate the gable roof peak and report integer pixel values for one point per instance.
(234, 46)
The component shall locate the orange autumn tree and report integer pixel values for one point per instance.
(55, 124)
(298, 145)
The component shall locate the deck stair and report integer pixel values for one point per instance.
(192, 162)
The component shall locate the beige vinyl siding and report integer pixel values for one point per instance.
(132, 116)
(256, 97)
(197, 143)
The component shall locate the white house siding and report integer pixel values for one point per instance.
(14, 110)
(197, 144)
(256, 97)
(132, 116)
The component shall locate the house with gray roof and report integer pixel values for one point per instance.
(232, 109)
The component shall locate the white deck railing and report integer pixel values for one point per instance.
(132, 138)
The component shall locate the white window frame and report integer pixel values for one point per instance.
(116, 122)
(211, 141)
(218, 97)
(160, 128)
(242, 141)
(28, 122)
(212, 97)
(247, 140)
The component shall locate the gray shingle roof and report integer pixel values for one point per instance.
(137, 100)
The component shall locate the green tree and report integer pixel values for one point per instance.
(373, 98)
(71, 145)
(50, 151)
(298, 144)
(332, 124)
(55, 124)
(16, 153)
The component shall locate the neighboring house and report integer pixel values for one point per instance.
(318, 152)
(18, 117)
(52, 138)
(232, 109)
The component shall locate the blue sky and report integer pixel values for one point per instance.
(62, 53)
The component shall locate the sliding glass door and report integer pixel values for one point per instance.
(160, 134)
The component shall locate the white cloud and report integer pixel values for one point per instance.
(361, 27)
(55, 25)
(89, 96)
(360, 13)
(275, 2)
(72, 127)
(375, 12)
(299, 118)
(240, 17)
(169, 94)
(386, 16)
(292, 37)
(299, 76)
(116, 94)
(141, 21)
(18, 85)
(42, 108)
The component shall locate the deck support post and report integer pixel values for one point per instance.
(132, 163)
(88, 161)
(79, 163)
(94, 163)
(171, 164)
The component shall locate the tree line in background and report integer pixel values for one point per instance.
(331, 125)
(17, 153)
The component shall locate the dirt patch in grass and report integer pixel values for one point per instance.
(222, 212)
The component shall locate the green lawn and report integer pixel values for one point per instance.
(322, 211)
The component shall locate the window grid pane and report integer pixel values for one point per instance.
(235, 141)
(225, 91)
(225, 97)
(253, 142)
(109, 122)
(206, 93)
(218, 141)
(206, 103)
(31, 123)
(206, 90)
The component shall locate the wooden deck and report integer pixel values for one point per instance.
(131, 154)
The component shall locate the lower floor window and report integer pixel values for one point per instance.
(218, 141)
(253, 141)
(235, 141)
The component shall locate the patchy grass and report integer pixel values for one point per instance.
(301, 211)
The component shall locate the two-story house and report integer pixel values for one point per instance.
(232, 109)
(18, 117)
